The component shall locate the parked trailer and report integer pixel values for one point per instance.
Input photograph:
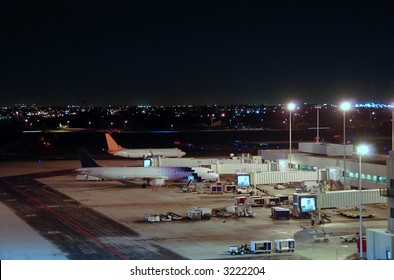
(273, 201)
(174, 216)
(282, 197)
(240, 200)
(230, 188)
(264, 246)
(257, 201)
(280, 212)
(284, 245)
(216, 189)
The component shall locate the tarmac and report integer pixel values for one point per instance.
(125, 205)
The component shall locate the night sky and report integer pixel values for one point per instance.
(196, 52)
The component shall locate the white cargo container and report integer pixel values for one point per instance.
(284, 245)
(264, 246)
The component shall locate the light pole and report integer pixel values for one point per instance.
(344, 106)
(212, 117)
(317, 121)
(124, 126)
(370, 118)
(290, 107)
(361, 150)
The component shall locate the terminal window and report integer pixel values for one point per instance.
(392, 212)
(308, 204)
(243, 180)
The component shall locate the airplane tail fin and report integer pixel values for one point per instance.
(112, 145)
(86, 159)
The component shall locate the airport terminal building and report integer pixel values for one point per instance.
(330, 157)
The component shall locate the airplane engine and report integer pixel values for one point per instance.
(157, 182)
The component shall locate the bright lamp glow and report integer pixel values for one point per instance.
(345, 106)
(362, 150)
(291, 106)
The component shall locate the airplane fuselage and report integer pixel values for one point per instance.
(144, 153)
(166, 173)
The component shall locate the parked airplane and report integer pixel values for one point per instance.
(152, 176)
(117, 150)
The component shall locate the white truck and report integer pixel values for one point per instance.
(310, 186)
(350, 238)
(325, 238)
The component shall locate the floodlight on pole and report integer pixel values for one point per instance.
(344, 106)
(290, 107)
(317, 123)
(361, 151)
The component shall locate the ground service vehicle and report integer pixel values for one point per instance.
(264, 246)
(317, 239)
(350, 237)
(238, 250)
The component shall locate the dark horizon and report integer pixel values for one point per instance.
(196, 52)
